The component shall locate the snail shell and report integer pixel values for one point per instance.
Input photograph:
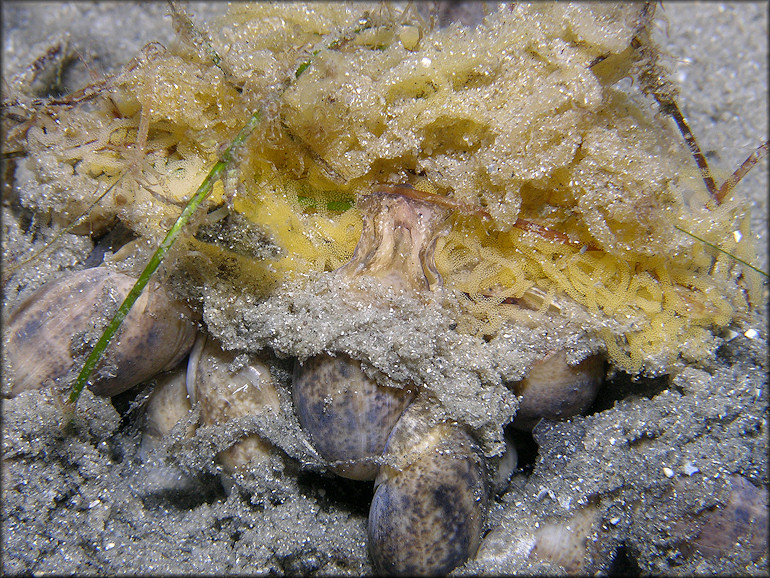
(567, 542)
(503, 468)
(570, 543)
(227, 390)
(167, 405)
(43, 332)
(741, 524)
(347, 415)
(430, 498)
(553, 389)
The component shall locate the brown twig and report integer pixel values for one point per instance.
(552, 235)
(741, 171)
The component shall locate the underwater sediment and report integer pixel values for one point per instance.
(686, 427)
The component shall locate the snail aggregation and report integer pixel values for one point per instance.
(530, 117)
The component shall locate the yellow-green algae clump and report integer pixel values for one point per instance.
(522, 118)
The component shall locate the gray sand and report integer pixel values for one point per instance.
(79, 499)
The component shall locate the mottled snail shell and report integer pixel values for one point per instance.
(555, 390)
(347, 415)
(741, 523)
(42, 332)
(227, 391)
(430, 499)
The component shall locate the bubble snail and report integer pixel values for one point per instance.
(431, 477)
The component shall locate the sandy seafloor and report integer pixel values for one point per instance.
(80, 501)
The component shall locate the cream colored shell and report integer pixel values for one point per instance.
(227, 390)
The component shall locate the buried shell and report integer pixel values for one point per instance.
(228, 388)
(554, 390)
(224, 389)
(430, 499)
(740, 524)
(47, 330)
(572, 543)
(166, 406)
(568, 543)
(347, 414)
